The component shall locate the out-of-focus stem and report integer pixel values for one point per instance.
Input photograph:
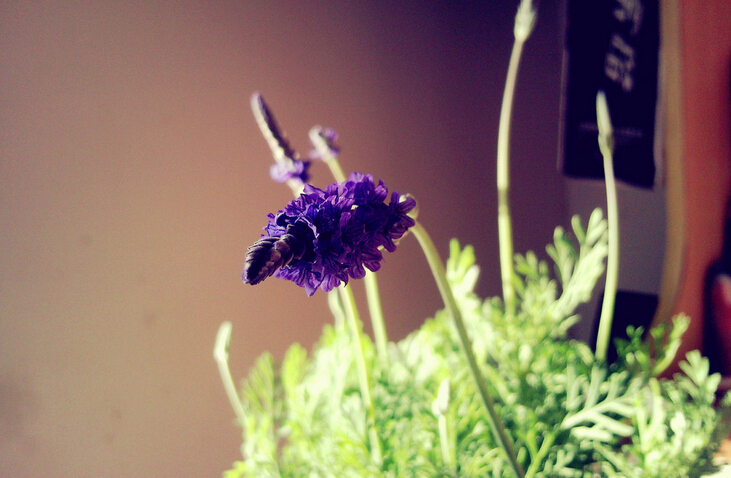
(323, 149)
(377, 321)
(440, 276)
(524, 21)
(440, 407)
(353, 320)
(606, 146)
(371, 283)
(220, 353)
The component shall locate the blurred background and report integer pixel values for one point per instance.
(133, 177)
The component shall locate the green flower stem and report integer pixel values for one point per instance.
(606, 145)
(371, 283)
(437, 269)
(220, 353)
(335, 168)
(326, 154)
(444, 442)
(377, 321)
(524, 21)
(296, 186)
(505, 233)
(440, 407)
(353, 320)
(336, 308)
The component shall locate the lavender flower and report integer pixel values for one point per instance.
(323, 238)
(288, 165)
(323, 140)
(296, 170)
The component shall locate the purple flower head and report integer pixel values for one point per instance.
(324, 237)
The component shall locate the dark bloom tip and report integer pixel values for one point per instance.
(288, 164)
(325, 237)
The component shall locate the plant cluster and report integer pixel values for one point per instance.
(568, 413)
(485, 387)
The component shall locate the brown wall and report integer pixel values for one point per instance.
(133, 177)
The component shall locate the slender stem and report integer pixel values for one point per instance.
(440, 407)
(371, 283)
(505, 233)
(335, 168)
(437, 269)
(323, 149)
(353, 320)
(606, 145)
(524, 21)
(296, 186)
(336, 308)
(220, 353)
(444, 442)
(377, 320)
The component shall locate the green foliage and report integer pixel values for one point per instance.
(568, 414)
(653, 355)
(675, 428)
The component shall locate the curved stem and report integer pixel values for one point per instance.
(606, 145)
(505, 233)
(437, 269)
(336, 308)
(220, 353)
(524, 22)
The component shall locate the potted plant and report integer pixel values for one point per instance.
(484, 388)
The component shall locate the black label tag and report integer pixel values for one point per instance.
(611, 45)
